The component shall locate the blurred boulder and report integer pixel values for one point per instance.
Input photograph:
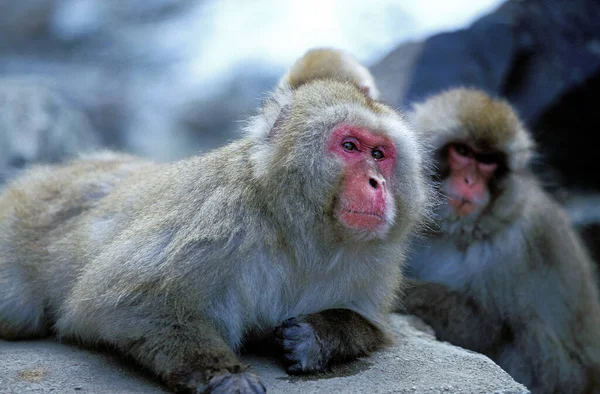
(394, 74)
(129, 64)
(214, 120)
(38, 125)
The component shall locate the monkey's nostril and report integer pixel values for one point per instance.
(373, 183)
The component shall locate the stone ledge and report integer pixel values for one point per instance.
(417, 363)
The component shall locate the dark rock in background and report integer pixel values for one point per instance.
(566, 132)
(544, 57)
(591, 235)
(37, 125)
(395, 73)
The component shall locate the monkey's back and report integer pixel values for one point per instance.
(564, 310)
(38, 213)
(109, 224)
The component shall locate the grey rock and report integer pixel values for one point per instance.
(128, 65)
(38, 125)
(417, 363)
(395, 71)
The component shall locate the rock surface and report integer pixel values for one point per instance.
(417, 363)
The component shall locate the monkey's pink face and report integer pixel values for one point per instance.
(467, 183)
(365, 202)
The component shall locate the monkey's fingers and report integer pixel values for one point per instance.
(242, 382)
(302, 350)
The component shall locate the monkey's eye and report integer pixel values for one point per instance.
(349, 146)
(462, 149)
(487, 159)
(377, 154)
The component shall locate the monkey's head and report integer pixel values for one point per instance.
(326, 63)
(479, 144)
(339, 162)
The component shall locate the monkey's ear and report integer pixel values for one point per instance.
(281, 120)
(271, 119)
(367, 92)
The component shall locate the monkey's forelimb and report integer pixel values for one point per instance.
(191, 356)
(205, 363)
(313, 343)
(455, 317)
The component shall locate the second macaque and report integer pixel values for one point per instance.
(502, 272)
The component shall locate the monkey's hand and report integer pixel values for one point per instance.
(312, 343)
(235, 382)
(301, 346)
(234, 379)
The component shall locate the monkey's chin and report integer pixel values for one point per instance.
(462, 207)
(363, 222)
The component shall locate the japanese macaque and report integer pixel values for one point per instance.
(502, 272)
(327, 63)
(288, 233)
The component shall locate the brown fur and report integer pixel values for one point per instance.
(331, 64)
(471, 115)
(512, 280)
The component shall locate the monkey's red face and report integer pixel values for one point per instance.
(467, 183)
(365, 202)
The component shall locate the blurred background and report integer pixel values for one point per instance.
(171, 78)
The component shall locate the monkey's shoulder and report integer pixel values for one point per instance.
(45, 193)
(549, 232)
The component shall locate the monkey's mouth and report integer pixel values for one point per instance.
(461, 206)
(363, 220)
